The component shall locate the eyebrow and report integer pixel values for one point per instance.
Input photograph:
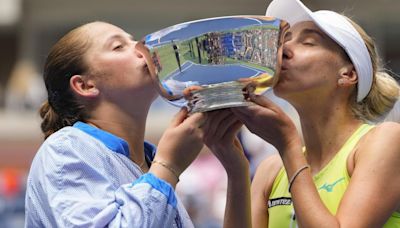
(118, 36)
(310, 31)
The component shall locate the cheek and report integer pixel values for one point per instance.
(317, 64)
(120, 69)
(310, 72)
(119, 65)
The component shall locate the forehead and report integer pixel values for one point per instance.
(98, 35)
(302, 30)
(309, 28)
(99, 32)
(306, 27)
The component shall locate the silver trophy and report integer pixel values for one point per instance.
(206, 64)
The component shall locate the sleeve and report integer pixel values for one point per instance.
(80, 195)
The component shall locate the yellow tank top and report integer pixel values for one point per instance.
(331, 183)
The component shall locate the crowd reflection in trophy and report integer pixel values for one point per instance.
(256, 46)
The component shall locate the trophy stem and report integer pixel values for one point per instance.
(218, 96)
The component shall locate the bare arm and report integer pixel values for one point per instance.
(375, 180)
(238, 210)
(221, 138)
(261, 189)
(179, 146)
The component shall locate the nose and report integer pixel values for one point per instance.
(287, 50)
(141, 49)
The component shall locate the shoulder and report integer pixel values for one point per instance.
(271, 164)
(68, 145)
(64, 136)
(388, 128)
(47, 168)
(381, 142)
(57, 141)
(68, 154)
(68, 139)
(382, 134)
(266, 174)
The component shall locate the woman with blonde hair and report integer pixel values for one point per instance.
(347, 174)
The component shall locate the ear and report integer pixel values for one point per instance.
(347, 76)
(83, 87)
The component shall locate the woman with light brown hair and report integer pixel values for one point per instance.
(94, 168)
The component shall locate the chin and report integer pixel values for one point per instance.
(280, 91)
(152, 91)
(146, 69)
(155, 97)
(278, 88)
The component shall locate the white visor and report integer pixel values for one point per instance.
(338, 28)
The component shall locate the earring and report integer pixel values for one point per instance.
(341, 82)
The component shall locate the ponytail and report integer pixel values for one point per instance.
(384, 93)
(385, 90)
(66, 58)
(51, 120)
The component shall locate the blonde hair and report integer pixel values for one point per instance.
(385, 90)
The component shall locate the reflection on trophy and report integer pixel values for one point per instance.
(206, 64)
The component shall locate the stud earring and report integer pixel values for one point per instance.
(341, 82)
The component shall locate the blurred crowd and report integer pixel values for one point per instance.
(12, 198)
(25, 89)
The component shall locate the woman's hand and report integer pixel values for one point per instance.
(221, 130)
(180, 144)
(268, 121)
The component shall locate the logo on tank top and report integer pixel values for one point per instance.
(279, 201)
(329, 187)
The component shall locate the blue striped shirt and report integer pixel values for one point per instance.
(82, 177)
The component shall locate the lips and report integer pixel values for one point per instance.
(145, 66)
(284, 66)
(145, 52)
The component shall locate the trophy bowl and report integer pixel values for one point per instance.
(206, 64)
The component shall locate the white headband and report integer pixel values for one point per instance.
(336, 27)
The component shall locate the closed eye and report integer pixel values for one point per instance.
(118, 47)
(308, 44)
(309, 41)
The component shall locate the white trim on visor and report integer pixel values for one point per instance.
(336, 27)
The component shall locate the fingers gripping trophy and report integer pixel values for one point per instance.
(209, 64)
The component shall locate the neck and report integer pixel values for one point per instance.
(128, 126)
(325, 130)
